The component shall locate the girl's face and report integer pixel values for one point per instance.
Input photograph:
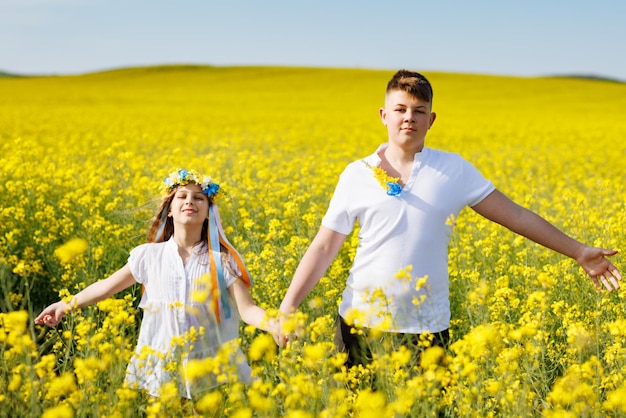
(189, 205)
(407, 119)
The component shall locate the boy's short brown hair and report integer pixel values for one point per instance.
(413, 83)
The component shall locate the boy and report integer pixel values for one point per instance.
(402, 196)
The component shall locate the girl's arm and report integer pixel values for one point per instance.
(118, 281)
(249, 312)
(500, 209)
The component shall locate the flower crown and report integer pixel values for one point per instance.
(181, 177)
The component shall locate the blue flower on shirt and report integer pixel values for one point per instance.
(393, 188)
(390, 184)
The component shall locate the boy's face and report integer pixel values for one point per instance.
(407, 119)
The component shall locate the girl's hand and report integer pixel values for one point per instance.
(282, 338)
(52, 315)
(273, 327)
(602, 271)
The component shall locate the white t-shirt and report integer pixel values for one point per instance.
(410, 229)
(178, 320)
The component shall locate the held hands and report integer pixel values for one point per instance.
(602, 271)
(273, 327)
(289, 326)
(280, 338)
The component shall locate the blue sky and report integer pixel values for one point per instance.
(523, 38)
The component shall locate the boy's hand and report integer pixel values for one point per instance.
(602, 271)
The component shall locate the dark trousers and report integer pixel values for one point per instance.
(358, 346)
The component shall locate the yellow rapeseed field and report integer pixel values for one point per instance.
(82, 158)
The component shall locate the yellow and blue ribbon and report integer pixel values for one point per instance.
(218, 283)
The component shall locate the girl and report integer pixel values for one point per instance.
(195, 290)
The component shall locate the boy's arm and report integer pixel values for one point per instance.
(118, 281)
(312, 267)
(502, 210)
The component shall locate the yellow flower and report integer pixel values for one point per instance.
(368, 400)
(210, 402)
(87, 369)
(451, 220)
(404, 273)
(203, 293)
(60, 386)
(421, 282)
(126, 394)
(14, 322)
(616, 400)
(432, 356)
(479, 294)
(579, 338)
(168, 392)
(385, 180)
(15, 382)
(71, 249)
(298, 414)
(574, 391)
(59, 411)
(20, 268)
(153, 410)
(259, 402)
(195, 369)
(262, 347)
(314, 353)
(493, 386)
(243, 413)
(617, 327)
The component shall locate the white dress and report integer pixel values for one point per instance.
(178, 321)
